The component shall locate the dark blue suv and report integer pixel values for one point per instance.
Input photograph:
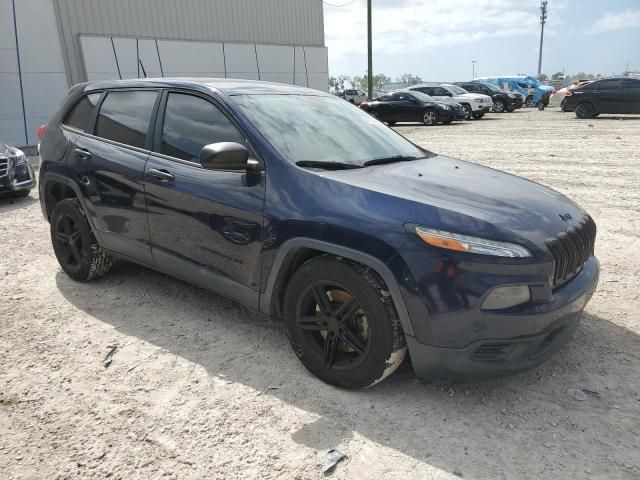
(304, 207)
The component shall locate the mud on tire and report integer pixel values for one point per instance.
(74, 243)
(337, 306)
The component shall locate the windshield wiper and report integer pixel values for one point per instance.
(327, 165)
(392, 159)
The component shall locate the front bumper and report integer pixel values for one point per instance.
(17, 178)
(482, 107)
(515, 342)
(450, 115)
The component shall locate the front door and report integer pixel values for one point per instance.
(205, 225)
(631, 94)
(111, 163)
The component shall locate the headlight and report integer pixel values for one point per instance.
(20, 159)
(511, 95)
(468, 244)
(479, 100)
(445, 107)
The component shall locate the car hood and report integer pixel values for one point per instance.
(468, 198)
(7, 151)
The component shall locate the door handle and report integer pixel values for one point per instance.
(161, 175)
(82, 153)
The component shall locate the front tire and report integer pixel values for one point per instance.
(430, 118)
(342, 324)
(468, 113)
(74, 244)
(584, 111)
(499, 106)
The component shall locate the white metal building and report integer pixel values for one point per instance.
(48, 45)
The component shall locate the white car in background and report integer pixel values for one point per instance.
(352, 95)
(475, 104)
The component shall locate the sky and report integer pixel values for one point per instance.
(438, 39)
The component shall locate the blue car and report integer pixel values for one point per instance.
(533, 90)
(305, 208)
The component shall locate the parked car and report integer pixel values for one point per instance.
(611, 95)
(409, 106)
(475, 105)
(502, 101)
(352, 95)
(534, 91)
(297, 205)
(16, 174)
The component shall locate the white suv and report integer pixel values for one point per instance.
(475, 104)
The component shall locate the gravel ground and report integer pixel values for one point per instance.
(199, 387)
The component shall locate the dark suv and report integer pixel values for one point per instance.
(502, 101)
(611, 95)
(298, 205)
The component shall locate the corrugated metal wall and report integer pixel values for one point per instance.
(278, 22)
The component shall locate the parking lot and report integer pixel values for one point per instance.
(198, 387)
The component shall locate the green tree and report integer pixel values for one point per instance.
(557, 76)
(379, 82)
(543, 77)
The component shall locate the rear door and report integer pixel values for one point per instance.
(631, 95)
(110, 159)
(205, 225)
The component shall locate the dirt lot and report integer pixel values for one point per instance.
(202, 388)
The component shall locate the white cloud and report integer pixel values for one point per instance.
(412, 26)
(616, 21)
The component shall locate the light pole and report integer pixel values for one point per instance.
(370, 52)
(473, 62)
(543, 20)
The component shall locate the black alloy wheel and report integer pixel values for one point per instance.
(68, 241)
(335, 323)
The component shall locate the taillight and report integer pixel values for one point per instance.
(568, 93)
(41, 130)
(363, 104)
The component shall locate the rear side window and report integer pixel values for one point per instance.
(631, 85)
(125, 116)
(81, 112)
(608, 85)
(192, 122)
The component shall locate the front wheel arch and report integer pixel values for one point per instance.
(297, 251)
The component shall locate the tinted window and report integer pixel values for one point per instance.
(79, 116)
(427, 90)
(124, 117)
(440, 92)
(384, 98)
(631, 85)
(609, 85)
(190, 123)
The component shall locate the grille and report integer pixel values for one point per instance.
(491, 352)
(571, 249)
(4, 166)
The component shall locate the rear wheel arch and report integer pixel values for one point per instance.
(54, 192)
(296, 252)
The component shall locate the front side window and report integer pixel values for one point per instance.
(192, 122)
(80, 114)
(323, 129)
(456, 89)
(124, 117)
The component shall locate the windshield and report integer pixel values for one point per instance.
(457, 90)
(305, 128)
(423, 97)
(491, 87)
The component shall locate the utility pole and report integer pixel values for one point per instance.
(473, 62)
(370, 52)
(543, 20)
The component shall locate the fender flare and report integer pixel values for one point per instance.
(56, 177)
(291, 245)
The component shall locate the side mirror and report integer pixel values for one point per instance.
(227, 156)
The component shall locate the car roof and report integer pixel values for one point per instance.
(227, 86)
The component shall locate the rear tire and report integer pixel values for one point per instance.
(74, 244)
(341, 323)
(584, 111)
(374, 115)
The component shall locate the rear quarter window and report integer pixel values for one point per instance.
(79, 116)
